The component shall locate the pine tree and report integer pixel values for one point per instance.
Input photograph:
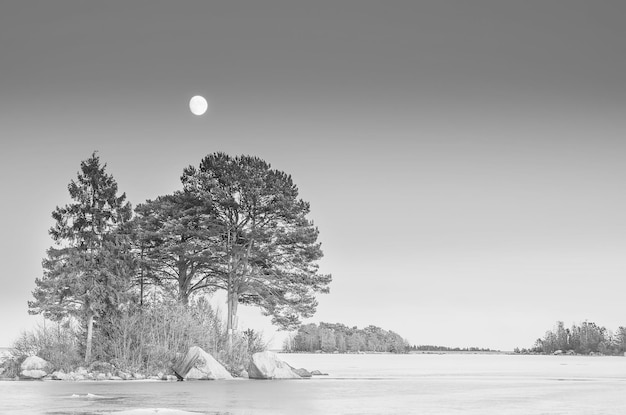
(85, 275)
(268, 249)
(177, 241)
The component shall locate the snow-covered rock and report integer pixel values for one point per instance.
(34, 367)
(200, 365)
(267, 365)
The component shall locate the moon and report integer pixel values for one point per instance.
(198, 105)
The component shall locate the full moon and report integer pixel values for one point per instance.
(198, 105)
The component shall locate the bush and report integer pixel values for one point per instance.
(147, 340)
(55, 342)
(151, 339)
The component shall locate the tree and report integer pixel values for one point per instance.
(269, 250)
(620, 339)
(177, 239)
(85, 275)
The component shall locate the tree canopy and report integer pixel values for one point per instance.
(177, 238)
(268, 250)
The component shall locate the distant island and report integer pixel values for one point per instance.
(431, 348)
(339, 338)
(588, 338)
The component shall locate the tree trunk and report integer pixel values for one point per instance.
(183, 298)
(231, 319)
(141, 278)
(89, 338)
(183, 285)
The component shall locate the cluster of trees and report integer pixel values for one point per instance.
(237, 225)
(431, 348)
(329, 338)
(586, 338)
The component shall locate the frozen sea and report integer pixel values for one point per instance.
(357, 384)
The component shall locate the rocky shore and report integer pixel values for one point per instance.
(196, 364)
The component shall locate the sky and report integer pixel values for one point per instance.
(464, 161)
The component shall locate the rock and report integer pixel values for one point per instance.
(303, 373)
(124, 375)
(558, 352)
(59, 375)
(198, 364)
(318, 373)
(267, 365)
(34, 363)
(169, 378)
(244, 374)
(33, 367)
(81, 371)
(113, 377)
(33, 374)
(76, 376)
(138, 376)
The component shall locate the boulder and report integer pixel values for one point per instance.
(34, 363)
(199, 365)
(33, 374)
(33, 367)
(267, 365)
(60, 375)
(318, 373)
(124, 375)
(303, 373)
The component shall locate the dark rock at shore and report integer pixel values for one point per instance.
(318, 373)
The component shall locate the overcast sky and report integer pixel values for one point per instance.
(465, 161)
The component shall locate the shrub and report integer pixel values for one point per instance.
(55, 342)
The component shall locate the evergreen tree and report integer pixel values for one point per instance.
(177, 239)
(85, 275)
(269, 250)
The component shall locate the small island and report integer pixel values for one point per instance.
(125, 293)
(586, 338)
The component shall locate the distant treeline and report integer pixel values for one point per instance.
(329, 338)
(586, 338)
(430, 348)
